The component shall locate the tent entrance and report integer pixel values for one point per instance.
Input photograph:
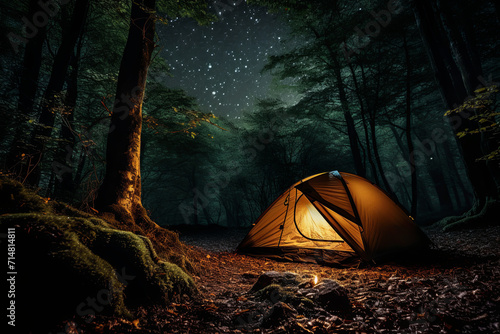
(314, 225)
(308, 228)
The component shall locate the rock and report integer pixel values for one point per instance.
(248, 275)
(274, 277)
(279, 313)
(332, 297)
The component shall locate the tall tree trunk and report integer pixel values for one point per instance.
(404, 154)
(351, 128)
(372, 113)
(120, 192)
(409, 141)
(464, 55)
(376, 154)
(365, 126)
(28, 87)
(63, 166)
(496, 3)
(425, 204)
(400, 188)
(447, 164)
(435, 170)
(454, 91)
(453, 171)
(439, 182)
(194, 189)
(79, 168)
(43, 130)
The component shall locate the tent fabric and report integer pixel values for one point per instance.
(332, 218)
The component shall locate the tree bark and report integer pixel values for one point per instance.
(28, 87)
(43, 130)
(120, 192)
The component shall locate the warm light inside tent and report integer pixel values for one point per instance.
(315, 281)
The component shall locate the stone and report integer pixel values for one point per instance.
(330, 295)
(274, 277)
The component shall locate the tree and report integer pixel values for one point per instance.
(120, 192)
(42, 132)
(62, 165)
(458, 72)
(318, 65)
(28, 87)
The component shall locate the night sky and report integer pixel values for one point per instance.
(220, 64)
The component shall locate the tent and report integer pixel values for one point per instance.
(332, 217)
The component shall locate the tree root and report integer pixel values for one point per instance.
(481, 214)
(165, 242)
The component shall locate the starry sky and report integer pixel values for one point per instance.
(220, 64)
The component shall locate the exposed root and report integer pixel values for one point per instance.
(483, 213)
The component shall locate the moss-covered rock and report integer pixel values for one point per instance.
(15, 198)
(277, 293)
(79, 265)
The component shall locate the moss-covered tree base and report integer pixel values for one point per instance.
(482, 214)
(166, 242)
(72, 264)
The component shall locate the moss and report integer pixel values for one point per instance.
(165, 242)
(15, 198)
(67, 210)
(59, 276)
(69, 260)
(173, 280)
(75, 263)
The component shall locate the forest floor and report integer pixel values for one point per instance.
(452, 288)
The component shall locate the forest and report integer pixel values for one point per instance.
(141, 140)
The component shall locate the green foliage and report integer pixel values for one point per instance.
(195, 9)
(483, 108)
(171, 111)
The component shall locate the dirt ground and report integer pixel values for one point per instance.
(453, 288)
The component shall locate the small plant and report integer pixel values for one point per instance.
(484, 108)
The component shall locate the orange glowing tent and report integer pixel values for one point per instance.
(332, 218)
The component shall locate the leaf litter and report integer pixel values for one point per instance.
(452, 288)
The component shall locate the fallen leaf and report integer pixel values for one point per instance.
(242, 311)
(171, 312)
